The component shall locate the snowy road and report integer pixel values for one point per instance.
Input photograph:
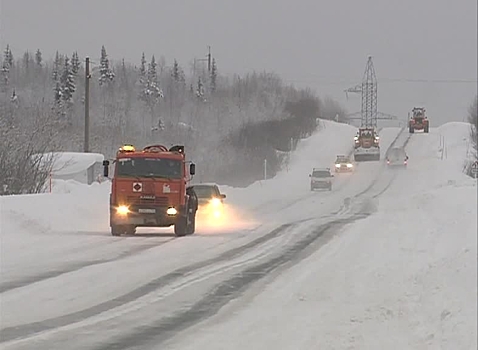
(404, 278)
(102, 292)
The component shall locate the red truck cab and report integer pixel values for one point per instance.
(149, 189)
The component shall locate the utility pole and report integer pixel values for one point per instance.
(87, 106)
(209, 59)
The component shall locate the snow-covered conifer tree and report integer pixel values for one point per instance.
(106, 74)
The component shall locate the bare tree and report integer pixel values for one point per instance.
(24, 162)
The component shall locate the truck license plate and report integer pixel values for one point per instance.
(147, 211)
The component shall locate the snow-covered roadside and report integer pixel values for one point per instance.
(42, 230)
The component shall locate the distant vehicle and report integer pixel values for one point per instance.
(343, 164)
(397, 157)
(418, 121)
(321, 178)
(367, 145)
(210, 199)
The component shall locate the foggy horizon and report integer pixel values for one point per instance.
(323, 46)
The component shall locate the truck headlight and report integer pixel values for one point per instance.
(337, 165)
(349, 165)
(171, 211)
(122, 210)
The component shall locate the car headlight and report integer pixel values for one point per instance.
(122, 210)
(349, 165)
(215, 202)
(171, 211)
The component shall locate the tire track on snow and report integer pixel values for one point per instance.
(25, 330)
(232, 288)
(23, 282)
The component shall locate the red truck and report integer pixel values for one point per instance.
(149, 189)
(418, 121)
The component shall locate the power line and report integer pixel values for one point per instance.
(439, 81)
(383, 81)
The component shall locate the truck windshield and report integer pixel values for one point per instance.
(149, 167)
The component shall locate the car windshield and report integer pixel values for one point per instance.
(342, 160)
(149, 167)
(418, 114)
(320, 173)
(205, 191)
(397, 154)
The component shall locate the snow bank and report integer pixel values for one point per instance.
(72, 206)
(456, 137)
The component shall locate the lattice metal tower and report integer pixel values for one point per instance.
(369, 96)
(368, 89)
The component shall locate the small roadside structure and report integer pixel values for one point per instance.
(78, 166)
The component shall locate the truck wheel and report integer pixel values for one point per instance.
(192, 225)
(411, 130)
(426, 130)
(130, 230)
(180, 228)
(116, 230)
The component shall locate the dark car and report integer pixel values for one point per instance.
(397, 157)
(321, 178)
(210, 199)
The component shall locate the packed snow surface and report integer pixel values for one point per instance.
(403, 276)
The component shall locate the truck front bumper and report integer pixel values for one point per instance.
(144, 216)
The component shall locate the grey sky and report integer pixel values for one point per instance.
(323, 44)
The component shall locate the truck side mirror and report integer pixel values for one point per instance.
(223, 196)
(106, 164)
(192, 169)
(310, 175)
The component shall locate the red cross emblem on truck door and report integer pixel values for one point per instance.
(137, 187)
